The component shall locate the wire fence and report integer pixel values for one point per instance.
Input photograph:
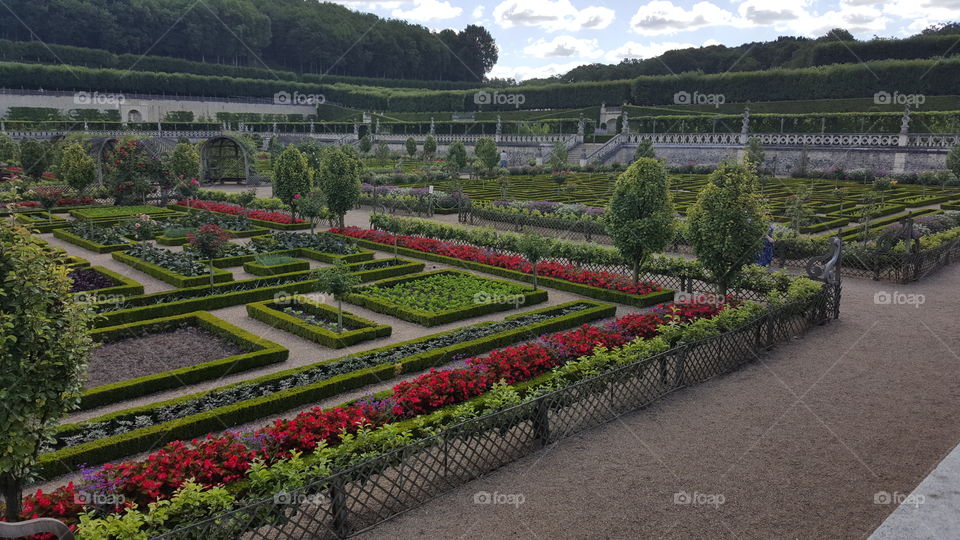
(357, 498)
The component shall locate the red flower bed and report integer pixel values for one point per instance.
(222, 459)
(65, 201)
(237, 210)
(553, 269)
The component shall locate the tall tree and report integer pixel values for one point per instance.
(76, 167)
(486, 151)
(291, 175)
(644, 150)
(640, 217)
(340, 182)
(457, 155)
(44, 348)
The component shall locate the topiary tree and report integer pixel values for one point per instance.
(411, 145)
(35, 157)
(291, 175)
(77, 168)
(340, 182)
(558, 156)
(208, 242)
(365, 144)
(726, 223)
(487, 153)
(754, 155)
(457, 155)
(383, 152)
(644, 150)
(429, 147)
(639, 217)
(312, 206)
(184, 161)
(9, 151)
(44, 348)
(535, 248)
(953, 163)
(337, 281)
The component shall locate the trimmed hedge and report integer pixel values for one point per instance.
(329, 258)
(117, 211)
(607, 295)
(271, 312)
(258, 222)
(427, 318)
(125, 286)
(179, 241)
(86, 244)
(825, 225)
(257, 269)
(41, 222)
(66, 460)
(177, 280)
(236, 297)
(262, 353)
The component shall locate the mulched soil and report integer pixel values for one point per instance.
(155, 353)
(88, 280)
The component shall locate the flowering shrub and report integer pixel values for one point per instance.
(236, 210)
(554, 269)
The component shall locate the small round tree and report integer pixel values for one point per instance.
(208, 242)
(132, 173)
(535, 248)
(457, 155)
(312, 206)
(639, 217)
(429, 147)
(291, 175)
(44, 348)
(411, 145)
(340, 182)
(35, 157)
(487, 153)
(726, 223)
(365, 144)
(953, 162)
(9, 151)
(77, 168)
(383, 152)
(559, 155)
(754, 154)
(336, 281)
(644, 150)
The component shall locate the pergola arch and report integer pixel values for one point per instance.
(225, 158)
(100, 148)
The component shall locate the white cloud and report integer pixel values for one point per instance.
(764, 12)
(710, 43)
(632, 49)
(477, 12)
(428, 10)
(552, 15)
(522, 73)
(663, 17)
(564, 47)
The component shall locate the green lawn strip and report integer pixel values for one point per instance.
(87, 244)
(356, 329)
(260, 352)
(173, 278)
(517, 296)
(234, 293)
(135, 441)
(607, 295)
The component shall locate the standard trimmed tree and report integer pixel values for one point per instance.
(487, 153)
(457, 155)
(9, 151)
(339, 177)
(644, 150)
(559, 155)
(535, 248)
(429, 146)
(337, 281)
(383, 152)
(44, 348)
(291, 175)
(639, 217)
(953, 162)
(76, 167)
(411, 145)
(726, 223)
(35, 157)
(365, 144)
(208, 242)
(754, 155)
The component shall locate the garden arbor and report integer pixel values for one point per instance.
(226, 159)
(100, 149)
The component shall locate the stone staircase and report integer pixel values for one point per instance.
(577, 152)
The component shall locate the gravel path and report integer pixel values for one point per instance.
(797, 444)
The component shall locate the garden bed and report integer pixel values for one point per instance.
(177, 269)
(300, 316)
(41, 222)
(117, 211)
(100, 281)
(262, 218)
(67, 236)
(443, 296)
(191, 359)
(272, 265)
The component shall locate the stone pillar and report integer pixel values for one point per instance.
(499, 128)
(583, 157)
(745, 126)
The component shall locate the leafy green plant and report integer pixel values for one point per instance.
(337, 281)
(486, 151)
(457, 155)
(339, 177)
(644, 150)
(291, 176)
(207, 242)
(535, 248)
(76, 167)
(411, 146)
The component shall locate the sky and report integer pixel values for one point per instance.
(540, 38)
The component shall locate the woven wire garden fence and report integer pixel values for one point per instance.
(364, 495)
